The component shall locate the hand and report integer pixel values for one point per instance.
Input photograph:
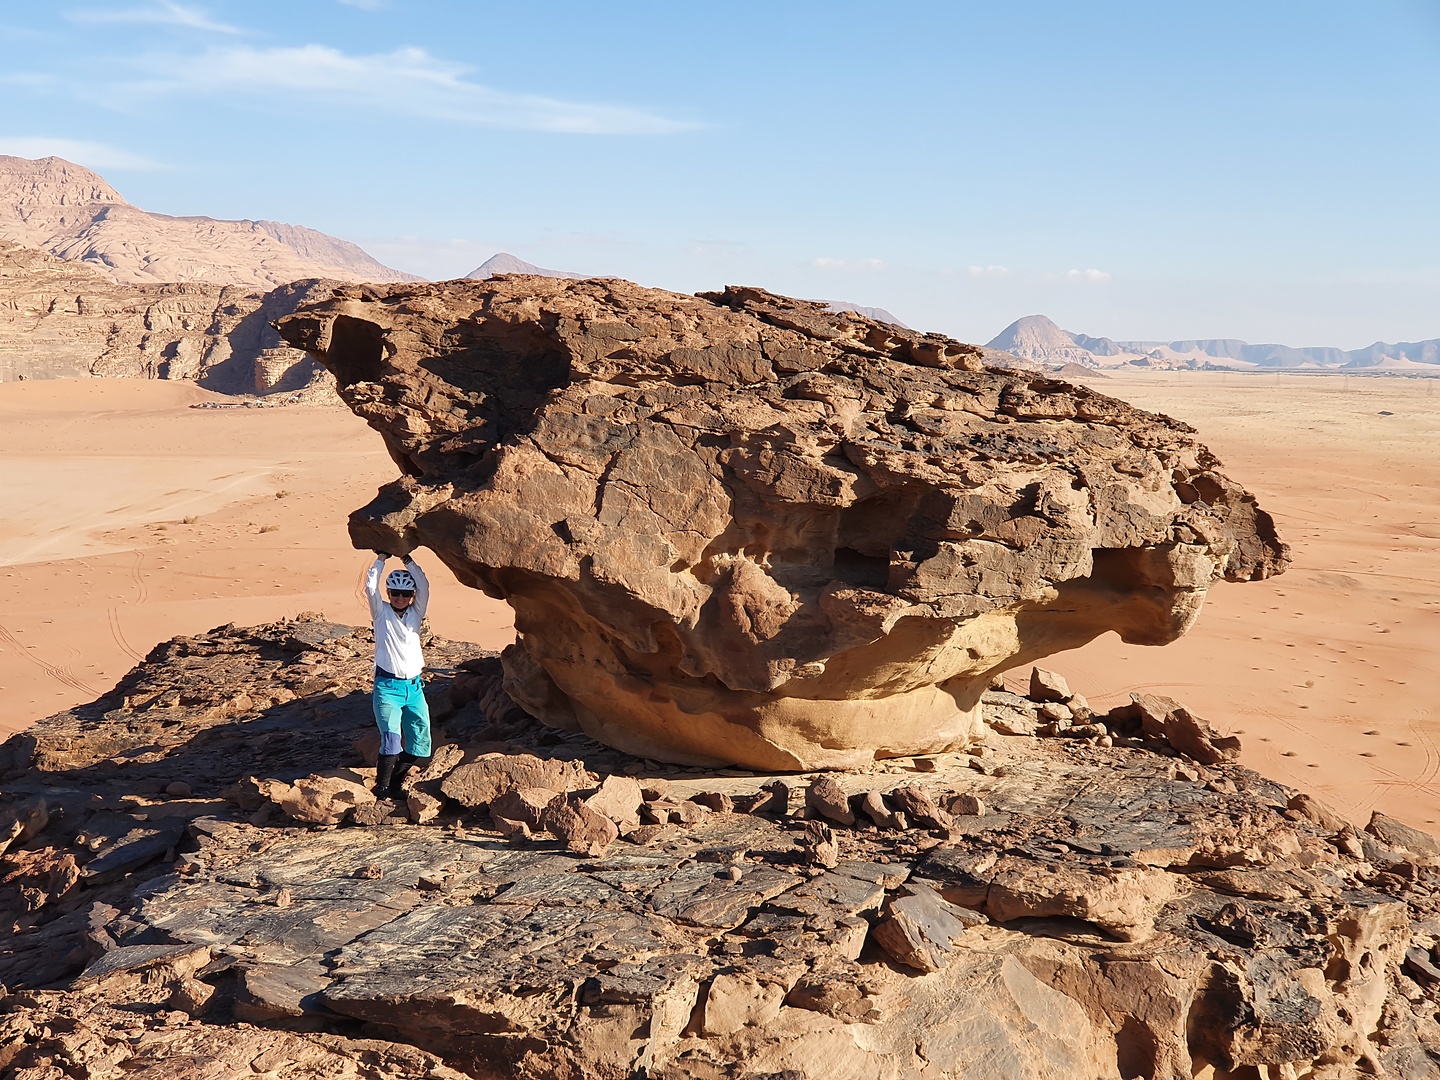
(382, 554)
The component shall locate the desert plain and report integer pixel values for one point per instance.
(133, 517)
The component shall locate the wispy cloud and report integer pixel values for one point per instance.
(1001, 273)
(824, 263)
(364, 5)
(95, 155)
(408, 82)
(717, 249)
(164, 13)
(21, 33)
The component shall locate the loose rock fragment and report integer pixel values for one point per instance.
(480, 782)
(324, 799)
(918, 807)
(1048, 685)
(919, 928)
(191, 996)
(423, 807)
(821, 847)
(584, 831)
(619, 799)
(884, 818)
(827, 798)
(27, 820)
(717, 801)
(1420, 846)
(524, 806)
(655, 787)
(1164, 718)
(966, 804)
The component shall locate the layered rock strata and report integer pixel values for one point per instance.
(737, 528)
(1047, 908)
(63, 319)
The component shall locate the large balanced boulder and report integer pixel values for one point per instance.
(738, 528)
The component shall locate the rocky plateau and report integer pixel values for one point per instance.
(199, 884)
(758, 793)
(741, 529)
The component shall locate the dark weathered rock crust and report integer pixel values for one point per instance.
(1054, 909)
(737, 528)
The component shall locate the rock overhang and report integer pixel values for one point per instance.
(738, 528)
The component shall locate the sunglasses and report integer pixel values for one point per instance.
(401, 594)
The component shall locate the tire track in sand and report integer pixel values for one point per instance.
(142, 593)
(60, 674)
(119, 636)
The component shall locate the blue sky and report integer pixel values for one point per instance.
(1269, 171)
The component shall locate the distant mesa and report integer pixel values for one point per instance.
(1079, 371)
(505, 263)
(65, 210)
(1037, 340)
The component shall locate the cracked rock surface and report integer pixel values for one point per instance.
(739, 529)
(1051, 907)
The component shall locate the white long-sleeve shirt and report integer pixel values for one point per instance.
(397, 637)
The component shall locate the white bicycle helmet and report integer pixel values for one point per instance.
(400, 581)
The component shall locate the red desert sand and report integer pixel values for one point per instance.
(132, 518)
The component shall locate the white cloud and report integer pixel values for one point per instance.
(165, 13)
(1085, 275)
(717, 249)
(91, 154)
(823, 263)
(989, 272)
(408, 81)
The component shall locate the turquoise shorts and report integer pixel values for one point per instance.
(402, 716)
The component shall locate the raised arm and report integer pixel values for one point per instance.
(372, 585)
(422, 585)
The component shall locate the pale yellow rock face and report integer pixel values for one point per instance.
(68, 211)
(63, 319)
(737, 528)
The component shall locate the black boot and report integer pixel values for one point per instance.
(384, 774)
(403, 769)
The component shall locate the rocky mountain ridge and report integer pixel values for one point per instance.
(65, 210)
(1037, 339)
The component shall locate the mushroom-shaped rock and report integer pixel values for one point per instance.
(738, 528)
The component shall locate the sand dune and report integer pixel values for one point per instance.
(131, 518)
(1329, 672)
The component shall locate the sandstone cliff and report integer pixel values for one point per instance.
(64, 319)
(737, 528)
(190, 893)
(70, 212)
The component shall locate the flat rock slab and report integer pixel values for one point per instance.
(138, 845)
(174, 960)
(1257, 932)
